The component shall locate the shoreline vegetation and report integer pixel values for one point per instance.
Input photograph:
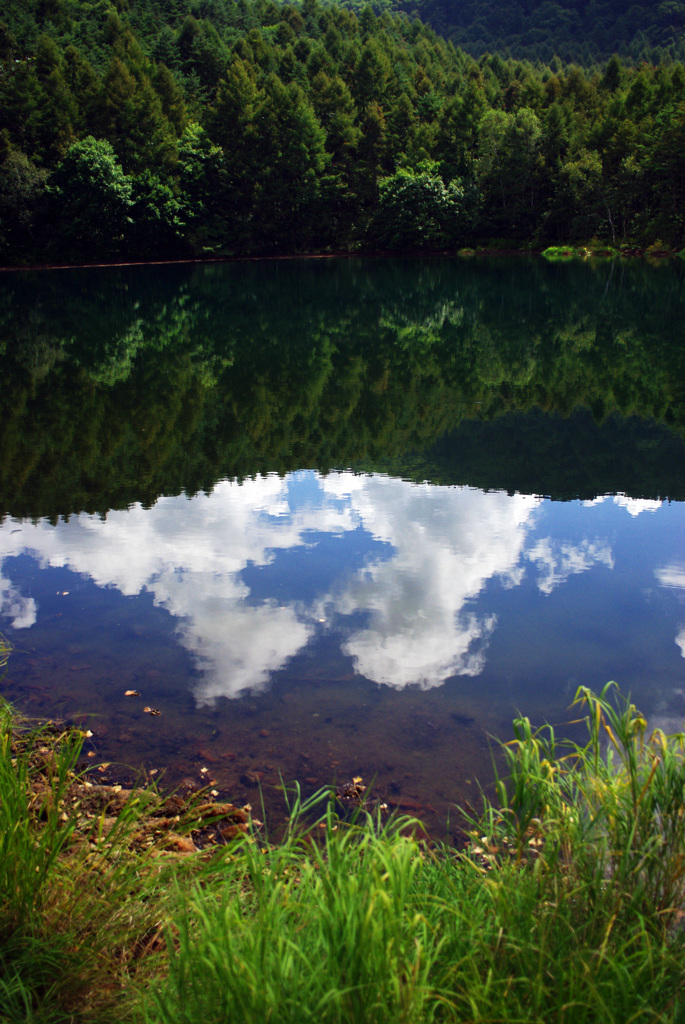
(565, 905)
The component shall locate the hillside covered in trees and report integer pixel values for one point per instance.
(174, 128)
(585, 31)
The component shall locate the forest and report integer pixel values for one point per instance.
(586, 31)
(172, 129)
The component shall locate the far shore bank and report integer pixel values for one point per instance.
(556, 253)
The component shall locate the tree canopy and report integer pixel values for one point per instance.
(233, 128)
(586, 31)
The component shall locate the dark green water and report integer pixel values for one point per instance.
(338, 518)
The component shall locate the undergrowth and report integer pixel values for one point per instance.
(565, 907)
(80, 913)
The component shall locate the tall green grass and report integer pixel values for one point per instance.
(322, 927)
(583, 856)
(5, 649)
(565, 908)
(76, 908)
(610, 812)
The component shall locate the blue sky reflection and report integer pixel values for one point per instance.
(402, 573)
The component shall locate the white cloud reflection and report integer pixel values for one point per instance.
(634, 506)
(671, 576)
(680, 641)
(189, 554)
(20, 610)
(414, 600)
(448, 543)
(557, 561)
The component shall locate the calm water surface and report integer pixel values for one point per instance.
(316, 515)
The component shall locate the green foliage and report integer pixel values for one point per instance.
(537, 30)
(92, 199)
(563, 910)
(417, 211)
(22, 189)
(72, 909)
(200, 177)
(26, 864)
(298, 933)
(608, 811)
(157, 217)
(564, 905)
(290, 156)
(5, 649)
(305, 114)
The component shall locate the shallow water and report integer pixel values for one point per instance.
(344, 616)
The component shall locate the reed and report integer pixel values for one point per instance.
(582, 863)
(609, 813)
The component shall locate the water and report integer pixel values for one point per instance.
(314, 514)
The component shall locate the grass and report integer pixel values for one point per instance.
(297, 933)
(78, 912)
(568, 252)
(5, 649)
(565, 907)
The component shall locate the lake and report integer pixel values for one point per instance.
(337, 518)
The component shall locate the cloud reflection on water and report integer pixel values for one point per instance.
(448, 542)
(416, 595)
(556, 561)
(673, 576)
(21, 611)
(634, 506)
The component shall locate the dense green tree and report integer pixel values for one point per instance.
(305, 109)
(84, 84)
(418, 211)
(373, 156)
(372, 76)
(458, 131)
(158, 219)
(171, 98)
(574, 29)
(581, 185)
(667, 173)
(230, 119)
(509, 147)
(335, 110)
(22, 189)
(55, 121)
(131, 118)
(91, 198)
(203, 199)
(401, 124)
(291, 157)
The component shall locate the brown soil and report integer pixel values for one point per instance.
(186, 821)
